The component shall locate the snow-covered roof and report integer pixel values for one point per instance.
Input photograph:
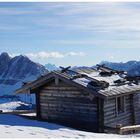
(90, 79)
(93, 75)
(97, 76)
(112, 89)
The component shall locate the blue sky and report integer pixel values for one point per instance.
(71, 33)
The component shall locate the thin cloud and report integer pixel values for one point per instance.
(44, 55)
(98, 22)
(103, 18)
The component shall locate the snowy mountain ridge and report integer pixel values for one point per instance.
(18, 67)
(51, 67)
(132, 67)
(14, 71)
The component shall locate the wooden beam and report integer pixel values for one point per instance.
(118, 128)
(130, 128)
(132, 108)
(127, 129)
(101, 115)
(56, 80)
(64, 69)
(38, 105)
(116, 107)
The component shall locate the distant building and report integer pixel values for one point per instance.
(90, 99)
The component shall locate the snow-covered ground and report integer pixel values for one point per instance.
(10, 106)
(12, 126)
(11, 103)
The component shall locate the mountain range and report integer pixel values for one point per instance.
(51, 67)
(132, 67)
(18, 67)
(16, 70)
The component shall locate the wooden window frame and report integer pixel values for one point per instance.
(120, 101)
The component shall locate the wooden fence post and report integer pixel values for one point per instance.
(118, 128)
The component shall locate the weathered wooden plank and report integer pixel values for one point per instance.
(60, 88)
(109, 105)
(129, 129)
(74, 115)
(78, 106)
(119, 117)
(110, 113)
(73, 107)
(88, 108)
(124, 123)
(59, 103)
(111, 119)
(63, 91)
(70, 118)
(65, 108)
(112, 107)
(89, 113)
(64, 94)
(109, 101)
(61, 84)
(67, 119)
(71, 110)
(67, 99)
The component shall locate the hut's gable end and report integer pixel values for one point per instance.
(58, 88)
(62, 102)
(128, 116)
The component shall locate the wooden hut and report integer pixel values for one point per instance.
(87, 98)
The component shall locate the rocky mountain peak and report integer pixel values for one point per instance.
(19, 67)
(51, 67)
(4, 54)
(15, 70)
(4, 58)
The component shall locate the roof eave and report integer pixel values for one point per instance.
(31, 85)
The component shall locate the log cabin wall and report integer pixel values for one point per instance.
(64, 103)
(130, 115)
(137, 108)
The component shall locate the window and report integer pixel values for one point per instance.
(120, 104)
